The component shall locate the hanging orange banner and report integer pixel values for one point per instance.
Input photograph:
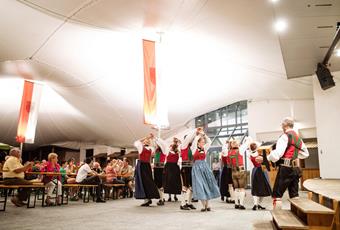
(150, 99)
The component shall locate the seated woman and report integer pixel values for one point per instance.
(127, 175)
(51, 181)
(111, 175)
(111, 171)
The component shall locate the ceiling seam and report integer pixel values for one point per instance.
(85, 5)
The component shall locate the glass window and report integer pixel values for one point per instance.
(226, 122)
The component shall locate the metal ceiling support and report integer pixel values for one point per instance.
(332, 47)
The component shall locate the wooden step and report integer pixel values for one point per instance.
(309, 206)
(285, 219)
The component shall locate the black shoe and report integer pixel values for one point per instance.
(203, 209)
(176, 199)
(190, 206)
(237, 206)
(99, 200)
(208, 209)
(260, 207)
(241, 207)
(193, 200)
(222, 198)
(184, 207)
(255, 207)
(146, 204)
(169, 200)
(131, 194)
(160, 203)
(229, 201)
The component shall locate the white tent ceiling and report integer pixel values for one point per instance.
(89, 54)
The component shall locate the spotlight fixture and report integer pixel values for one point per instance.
(337, 52)
(280, 25)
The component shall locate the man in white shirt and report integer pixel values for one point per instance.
(289, 149)
(93, 179)
(216, 167)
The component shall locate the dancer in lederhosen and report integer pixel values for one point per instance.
(289, 149)
(235, 160)
(204, 185)
(172, 175)
(145, 187)
(158, 168)
(187, 161)
(260, 186)
(226, 181)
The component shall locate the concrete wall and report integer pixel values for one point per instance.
(327, 112)
(265, 117)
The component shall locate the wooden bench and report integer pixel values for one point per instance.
(285, 219)
(37, 187)
(326, 192)
(114, 188)
(313, 214)
(86, 187)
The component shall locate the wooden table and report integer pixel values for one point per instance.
(327, 193)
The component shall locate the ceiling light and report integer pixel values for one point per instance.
(337, 52)
(274, 1)
(280, 25)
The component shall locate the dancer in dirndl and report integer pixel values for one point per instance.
(158, 168)
(145, 187)
(172, 174)
(204, 185)
(226, 181)
(260, 186)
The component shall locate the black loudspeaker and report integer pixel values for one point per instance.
(325, 77)
(122, 152)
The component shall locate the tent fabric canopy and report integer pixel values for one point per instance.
(89, 56)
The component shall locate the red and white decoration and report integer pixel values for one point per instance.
(29, 112)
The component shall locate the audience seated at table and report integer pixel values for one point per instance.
(127, 175)
(93, 179)
(51, 181)
(14, 174)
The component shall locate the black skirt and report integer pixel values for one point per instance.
(158, 176)
(172, 179)
(226, 179)
(145, 186)
(260, 183)
(186, 176)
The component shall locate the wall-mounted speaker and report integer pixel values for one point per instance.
(325, 77)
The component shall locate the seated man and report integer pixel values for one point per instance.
(13, 174)
(93, 179)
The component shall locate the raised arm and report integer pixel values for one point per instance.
(139, 146)
(194, 144)
(207, 143)
(188, 139)
(162, 144)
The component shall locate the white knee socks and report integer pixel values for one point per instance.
(237, 196)
(260, 200)
(189, 195)
(256, 200)
(184, 198)
(231, 191)
(242, 195)
(277, 204)
(161, 194)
